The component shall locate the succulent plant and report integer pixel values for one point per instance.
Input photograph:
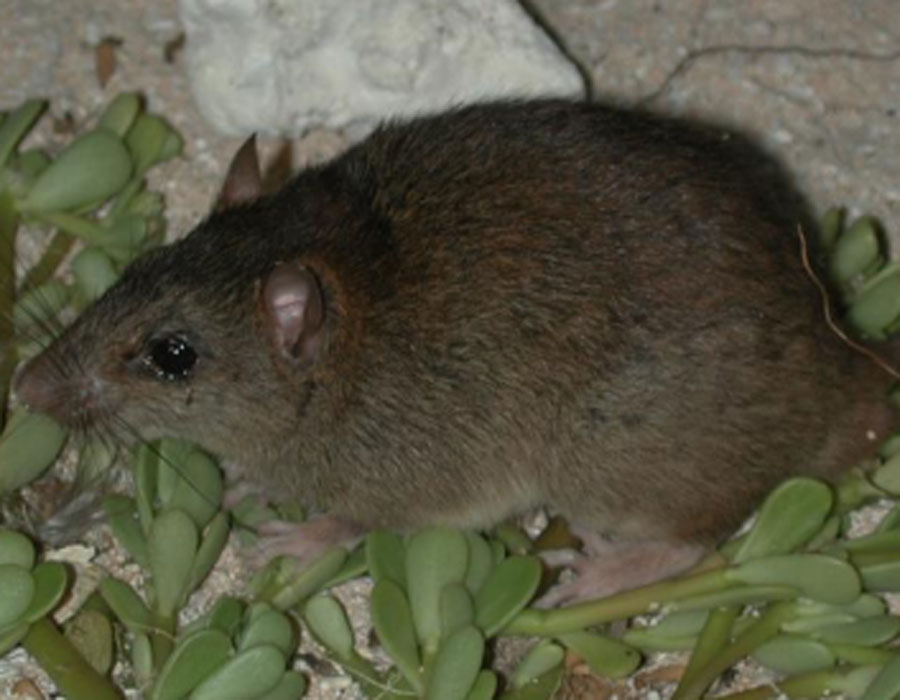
(795, 593)
(175, 528)
(30, 592)
(93, 191)
(859, 266)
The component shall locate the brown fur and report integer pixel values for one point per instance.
(524, 303)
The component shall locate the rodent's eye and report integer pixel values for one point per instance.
(171, 357)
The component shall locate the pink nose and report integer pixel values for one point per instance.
(37, 387)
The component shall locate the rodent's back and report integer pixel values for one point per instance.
(601, 308)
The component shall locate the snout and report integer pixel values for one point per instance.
(32, 387)
(42, 386)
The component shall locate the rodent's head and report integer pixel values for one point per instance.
(190, 342)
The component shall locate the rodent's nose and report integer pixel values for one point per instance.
(33, 387)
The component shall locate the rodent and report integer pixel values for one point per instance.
(478, 312)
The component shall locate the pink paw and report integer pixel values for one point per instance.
(612, 567)
(304, 541)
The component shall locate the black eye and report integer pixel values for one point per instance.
(171, 357)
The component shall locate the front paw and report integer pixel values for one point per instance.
(305, 541)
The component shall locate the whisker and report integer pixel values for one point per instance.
(33, 287)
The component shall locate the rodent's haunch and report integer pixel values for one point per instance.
(475, 313)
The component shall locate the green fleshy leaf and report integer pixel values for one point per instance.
(485, 686)
(386, 557)
(149, 141)
(51, 579)
(29, 444)
(877, 308)
(871, 631)
(18, 587)
(676, 625)
(810, 624)
(605, 656)
(10, 636)
(145, 462)
(328, 622)
(95, 459)
(251, 673)
(226, 615)
(291, 686)
(514, 538)
(39, 306)
(354, 567)
(826, 535)
(886, 685)
(855, 489)
(457, 665)
(887, 476)
(811, 615)
(16, 549)
(434, 558)
(214, 540)
(480, 562)
(122, 516)
(290, 511)
(250, 512)
(172, 456)
(543, 658)
(790, 655)
(125, 237)
(270, 628)
(880, 571)
(94, 273)
(195, 658)
(820, 577)
(127, 605)
(508, 589)
(120, 114)
(857, 251)
(675, 632)
(256, 610)
(874, 542)
(498, 551)
(541, 688)
(189, 480)
(91, 633)
(457, 609)
(146, 204)
(393, 622)
(172, 545)
(789, 517)
(831, 226)
(16, 125)
(31, 163)
(286, 583)
(142, 658)
(62, 186)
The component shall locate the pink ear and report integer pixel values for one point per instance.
(292, 300)
(243, 183)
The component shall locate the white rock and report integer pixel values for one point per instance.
(283, 66)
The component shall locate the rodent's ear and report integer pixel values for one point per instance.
(243, 183)
(294, 310)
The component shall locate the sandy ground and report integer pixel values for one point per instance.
(818, 81)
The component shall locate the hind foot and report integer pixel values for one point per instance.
(611, 567)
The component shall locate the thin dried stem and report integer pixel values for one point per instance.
(826, 308)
